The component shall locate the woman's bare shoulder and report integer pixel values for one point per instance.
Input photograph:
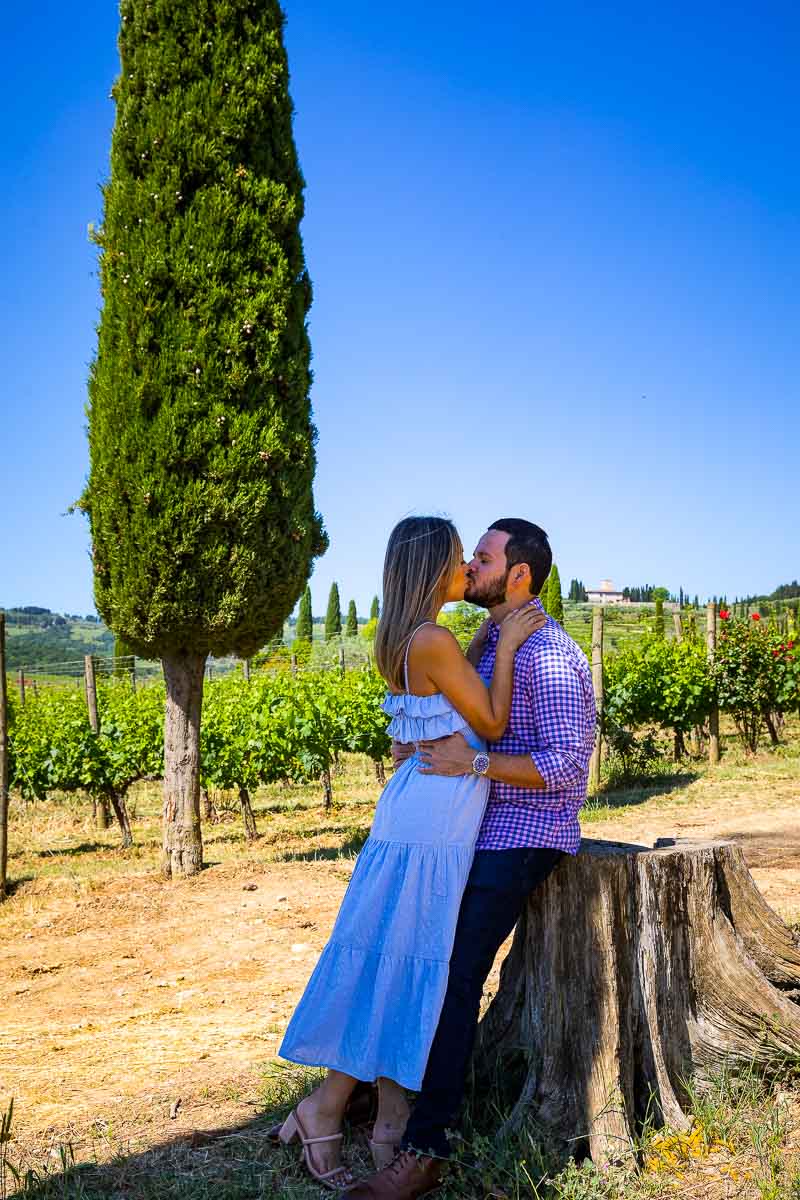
(435, 639)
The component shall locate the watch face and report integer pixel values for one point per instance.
(480, 764)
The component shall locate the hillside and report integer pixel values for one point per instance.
(37, 635)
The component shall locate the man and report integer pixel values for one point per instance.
(539, 770)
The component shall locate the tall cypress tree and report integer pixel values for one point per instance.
(659, 618)
(544, 594)
(375, 609)
(333, 617)
(304, 629)
(351, 628)
(201, 443)
(555, 603)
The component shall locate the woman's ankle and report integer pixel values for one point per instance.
(328, 1102)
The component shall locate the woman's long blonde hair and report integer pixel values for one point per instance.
(422, 555)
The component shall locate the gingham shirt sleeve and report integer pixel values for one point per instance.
(559, 747)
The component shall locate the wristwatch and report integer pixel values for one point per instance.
(480, 763)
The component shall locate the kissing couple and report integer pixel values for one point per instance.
(491, 751)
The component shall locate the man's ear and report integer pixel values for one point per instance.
(520, 576)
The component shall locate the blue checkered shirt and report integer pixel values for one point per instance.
(553, 719)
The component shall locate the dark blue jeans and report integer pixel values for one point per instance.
(498, 886)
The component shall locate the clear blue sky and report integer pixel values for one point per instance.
(555, 252)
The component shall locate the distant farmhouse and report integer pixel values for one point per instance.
(606, 594)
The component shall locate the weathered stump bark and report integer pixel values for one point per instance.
(632, 970)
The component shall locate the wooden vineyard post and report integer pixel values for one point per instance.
(100, 807)
(341, 660)
(133, 673)
(597, 684)
(21, 682)
(91, 691)
(678, 623)
(246, 669)
(294, 664)
(713, 718)
(3, 761)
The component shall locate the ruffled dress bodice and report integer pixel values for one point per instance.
(424, 718)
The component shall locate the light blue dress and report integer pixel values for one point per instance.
(372, 1004)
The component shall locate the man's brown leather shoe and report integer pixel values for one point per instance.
(408, 1176)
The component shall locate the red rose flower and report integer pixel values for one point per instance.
(724, 613)
(790, 645)
(755, 616)
(775, 653)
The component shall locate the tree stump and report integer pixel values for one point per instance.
(632, 970)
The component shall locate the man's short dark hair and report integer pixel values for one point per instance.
(527, 544)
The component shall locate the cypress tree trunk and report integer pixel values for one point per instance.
(182, 852)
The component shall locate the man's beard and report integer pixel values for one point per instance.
(490, 594)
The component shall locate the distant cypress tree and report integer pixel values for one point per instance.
(555, 604)
(375, 609)
(121, 648)
(544, 595)
(304, 629)
(351, 628)
(333, 617)
(201, 443)
(658, 626)
(122, 651)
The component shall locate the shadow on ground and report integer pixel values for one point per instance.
(348, 849)
(71, 851)
(639, 793)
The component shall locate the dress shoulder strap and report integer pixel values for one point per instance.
(408, 647)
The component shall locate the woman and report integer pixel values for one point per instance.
(371, 1007)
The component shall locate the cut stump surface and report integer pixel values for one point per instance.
(632, 970)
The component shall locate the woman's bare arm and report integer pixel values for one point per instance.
(437, 654)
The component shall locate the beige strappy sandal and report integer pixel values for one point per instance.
(338, 1178)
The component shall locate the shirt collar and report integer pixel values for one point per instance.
(494, 628)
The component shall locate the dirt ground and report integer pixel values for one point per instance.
(125, 997)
